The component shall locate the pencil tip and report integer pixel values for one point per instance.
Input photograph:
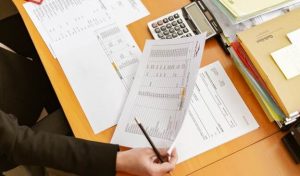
(136, 120)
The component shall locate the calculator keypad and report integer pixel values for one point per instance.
(170, 26)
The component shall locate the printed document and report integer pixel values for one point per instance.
(126, 11)
(57, 20)
(161, 92)
(98, 56)
(217, 114)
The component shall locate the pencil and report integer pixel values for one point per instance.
(150, 141)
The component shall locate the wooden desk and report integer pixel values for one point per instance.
(244, 153)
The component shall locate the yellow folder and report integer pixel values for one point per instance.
(259, 42)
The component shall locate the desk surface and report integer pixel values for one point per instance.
(252, 154)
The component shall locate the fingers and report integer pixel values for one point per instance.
(165, 167)
(156, 168)
(174, 157)
(163, 151)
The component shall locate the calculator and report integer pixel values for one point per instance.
(192, 19)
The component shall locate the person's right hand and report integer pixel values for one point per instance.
(143, 161)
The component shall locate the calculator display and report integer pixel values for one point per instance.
(199, 19)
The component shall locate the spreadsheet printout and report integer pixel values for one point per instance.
(126, 11)
(98, 56)
(56, 19)
(161, 92)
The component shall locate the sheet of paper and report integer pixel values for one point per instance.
(241, 8)
(217, 114)
(126, 11)
(58, 20)
(98, 56)
(161, 92)
(288, 60)
(294, 37)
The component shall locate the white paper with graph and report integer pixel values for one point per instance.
(161, 92)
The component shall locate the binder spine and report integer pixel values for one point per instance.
(288, 122)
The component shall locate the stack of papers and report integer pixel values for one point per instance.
(268, 58)
(256, 84)
(179, 106)
(239, 11)
(95, 50)
(231, 25)
(244, 8)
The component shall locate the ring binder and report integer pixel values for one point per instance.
(292, 142)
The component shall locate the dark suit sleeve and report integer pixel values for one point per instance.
(21, 145)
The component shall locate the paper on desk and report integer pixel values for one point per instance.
(288, 60)
(57, 20)
(216, 115)
(161, 92)
(126, 11)
(241, 8)
(294, 37)
(98, 56)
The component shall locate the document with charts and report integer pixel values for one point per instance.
(161, 92)
(98, 56)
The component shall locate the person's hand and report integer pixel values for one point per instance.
(143, 161)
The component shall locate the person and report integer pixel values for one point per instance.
(24, 91)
